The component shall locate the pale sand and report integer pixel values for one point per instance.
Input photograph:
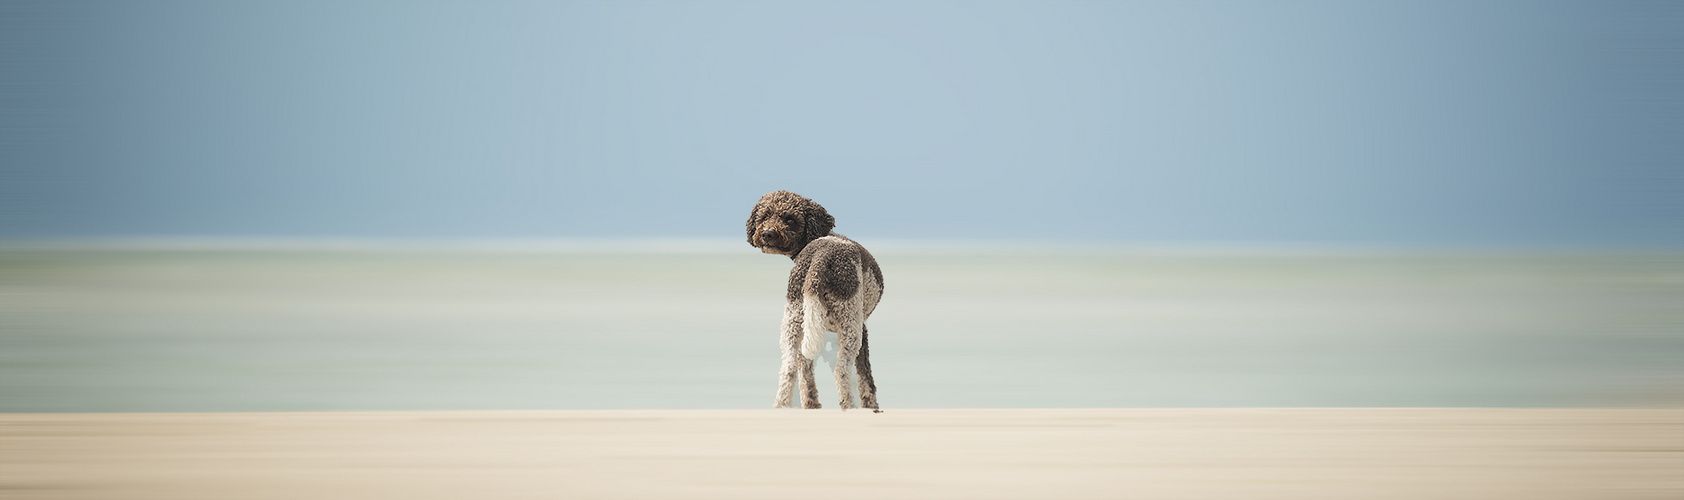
(747, 454)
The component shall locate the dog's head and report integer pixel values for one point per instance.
(784, 222)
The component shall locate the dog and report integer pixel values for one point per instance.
(834, 287)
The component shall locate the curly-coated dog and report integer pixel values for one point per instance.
(834, 287)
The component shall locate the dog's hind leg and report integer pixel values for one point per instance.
(790, 344)
(848, 343)
(811, 333)
(862, 364)
(809, 387)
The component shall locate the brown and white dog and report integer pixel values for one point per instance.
(834, 287)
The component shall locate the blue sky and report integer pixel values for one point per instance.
(1412, 123)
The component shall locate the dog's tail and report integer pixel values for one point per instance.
(813, 323)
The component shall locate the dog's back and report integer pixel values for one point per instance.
(838, 283)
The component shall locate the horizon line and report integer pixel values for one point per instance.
(711, 245)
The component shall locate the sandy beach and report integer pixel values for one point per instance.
(744, 454)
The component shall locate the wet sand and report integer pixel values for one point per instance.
(747, 454)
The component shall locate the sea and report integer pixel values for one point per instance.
(195, 326)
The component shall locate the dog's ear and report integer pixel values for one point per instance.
(818, 223)
(754, 216)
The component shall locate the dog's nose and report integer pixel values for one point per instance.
(767, 233)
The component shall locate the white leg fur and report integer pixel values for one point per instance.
(813, 324)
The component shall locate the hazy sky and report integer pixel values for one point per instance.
(1482, 123)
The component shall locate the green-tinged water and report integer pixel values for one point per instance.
(298, 328)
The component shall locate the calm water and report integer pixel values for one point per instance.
(649, 326)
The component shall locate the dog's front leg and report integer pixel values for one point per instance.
(790, 343)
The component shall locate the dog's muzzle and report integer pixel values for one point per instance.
(772, 241)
